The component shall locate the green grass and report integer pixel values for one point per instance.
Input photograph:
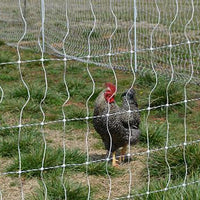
(158, 167)
(156, 134)
(145, 79)
(7, 132)
(95, 34)
(190, 192)
(159, 95)
(73, 111)
(7, 78)
(33, 160)
(54, 157)
(98, 145)
(4, 57)
(37, 94)
(55, 190)
(2, 43)
(28, 140)
(80, 88)
(99, 169)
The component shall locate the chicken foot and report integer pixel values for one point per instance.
(123, 153)
(115, 162)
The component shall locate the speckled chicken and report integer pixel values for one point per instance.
(116, 129)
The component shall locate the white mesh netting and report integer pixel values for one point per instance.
(175, 24)
(57, 56)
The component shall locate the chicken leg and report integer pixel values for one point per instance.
(122, 154)
(114, 160)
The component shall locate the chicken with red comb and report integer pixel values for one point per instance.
(120, 129)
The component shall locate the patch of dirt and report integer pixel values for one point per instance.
(59, 45)
(10, 186)
(78, 104)
(74, 139)
(4, 163)
(29, 43)
(11, 190)
(198, 105)
(13, 120)
(119, 185)
(10, 120)
(150, 26)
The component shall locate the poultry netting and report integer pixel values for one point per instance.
(57, 59)
(160, 27)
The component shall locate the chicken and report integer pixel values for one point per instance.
(116, 130)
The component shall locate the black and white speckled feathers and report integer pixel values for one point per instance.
(115, 130)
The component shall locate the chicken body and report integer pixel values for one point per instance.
(116, 130)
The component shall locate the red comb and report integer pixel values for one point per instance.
(111, 86)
